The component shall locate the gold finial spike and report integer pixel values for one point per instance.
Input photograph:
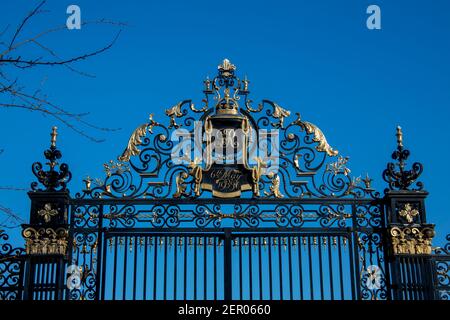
(246, 82)
(226, 66)
(53, 135)
(399, 137)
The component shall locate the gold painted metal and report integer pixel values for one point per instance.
(334, 242)
(399, 137)
(408, 212)
(174, 112)
(46, 241)
(256, 174)
(319, 137)
(115, 167)
(197, 173)
(180, 185)
(53, 135)
(411, 240)
(368, 182)
(279, 113)
(87, 183)
(47, 212)
(226, 67)
(339, 166)
(136, 139)
(275, 187)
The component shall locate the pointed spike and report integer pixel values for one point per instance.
(54, 134)
(399, 135)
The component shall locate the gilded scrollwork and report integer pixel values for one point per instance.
(174, 112)
(319, 137)
(411, 240)
(197, 174)
(279, 113)
(181, 185)
(275, 187)
(115, 167)
(339, 166)
(308, 166)
(46, 240)
(257, 171)
(136, 139)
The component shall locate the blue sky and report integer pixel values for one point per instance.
(313, 57)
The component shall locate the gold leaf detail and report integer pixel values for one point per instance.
(136, 140)
(319, 137)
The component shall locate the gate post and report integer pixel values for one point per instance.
(408, 234)
(46, 235)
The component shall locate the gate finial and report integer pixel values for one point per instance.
(401, 179)
(53, 135)
(52, 179)
(399, 137)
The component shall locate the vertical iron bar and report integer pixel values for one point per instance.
(38, 281)
(215, 268)
(240, 268)
(227, 265)
(270, 268)
(300, 273)
(355, 255)
(205, 270)
(311, 280)
(406, 280)
(100, 259)
(330, 267)
(413, 271)
(280, 268)
(354, 266)
(260, 269)
(47, 280)
(195, 268)
(419, 279)
(155, 264)
(341, 275)
(125, 261)
(165, 268)
(115, 267)
(103, 267)
(135, 268)
(144, 293)
(175, 268)
(290, 269)
(250, 270)
(185, 268)
(322, 297)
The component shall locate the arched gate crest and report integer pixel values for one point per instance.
(173, 218)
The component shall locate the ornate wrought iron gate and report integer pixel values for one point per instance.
(291, 223)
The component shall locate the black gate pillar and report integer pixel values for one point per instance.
(409, 235)
(46, 236)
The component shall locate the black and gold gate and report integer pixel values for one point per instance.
(279, 216)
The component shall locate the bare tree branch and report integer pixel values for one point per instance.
(16, 94)
(36, 62)
(24, 21)
(11, 220)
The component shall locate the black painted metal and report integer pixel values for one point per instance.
(135, 235)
